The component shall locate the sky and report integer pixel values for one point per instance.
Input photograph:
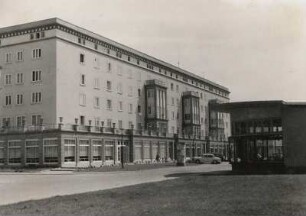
(256, 48)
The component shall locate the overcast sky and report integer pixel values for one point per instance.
(256, 48)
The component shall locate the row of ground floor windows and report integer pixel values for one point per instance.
(84, 150)
(14, 152)
(249, 149)
(30, 151)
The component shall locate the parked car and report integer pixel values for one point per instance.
(220, 156)
(188, 160)
(207, 158)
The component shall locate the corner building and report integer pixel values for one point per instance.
(70, 97)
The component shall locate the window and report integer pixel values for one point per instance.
(96, 83)
(31, 36)
(36, 120)
(120, 124)
(82, 79)
(19, 79)
(96, 63)
(201, 95)
(32, 151)
(8, 79)
(171, 86)
(42, 34)
(120, 106)
(119, 88)
(14, 151)
(19, 56)
(149, 110)
(130, 108)
(82, 58)
(36, 97)
(139, 126)
(96, 150)
(20, 121)
(36, 76)
(177, 88)
(50, 150)
(36, 53)
(8, 100)
(108, 51)
(82, 98)
(109, 123)
(82, 120)
(6, 122)
(96, 46)
(129, 58)
(150, 93)
(19, 99)
(37, 35)
(119, 70)
(109, 151)
(138, 61)
(108, 85)
(139, 92)
(8, 57)
(109, 67)
(173, 115)
(139, 109)
(172, 100)
(119, 54)
(130, 124)
(69, 150)
(149, 66)
(97, 102)
(97, 122)
(84, 150)
(109, 104)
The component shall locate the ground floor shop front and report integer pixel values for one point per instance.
(85, 149)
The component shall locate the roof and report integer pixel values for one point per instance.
(109, 41)
(248, 104)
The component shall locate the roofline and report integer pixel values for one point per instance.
(59, 21)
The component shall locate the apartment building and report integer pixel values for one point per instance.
(76, 97)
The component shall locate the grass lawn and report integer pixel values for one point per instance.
(189, 194)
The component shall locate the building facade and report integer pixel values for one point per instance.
(266, 135)
(59, 80)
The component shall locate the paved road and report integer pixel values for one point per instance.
(16, 187)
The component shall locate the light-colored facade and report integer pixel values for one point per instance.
(53, 72)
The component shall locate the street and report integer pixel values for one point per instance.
(17, 187)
